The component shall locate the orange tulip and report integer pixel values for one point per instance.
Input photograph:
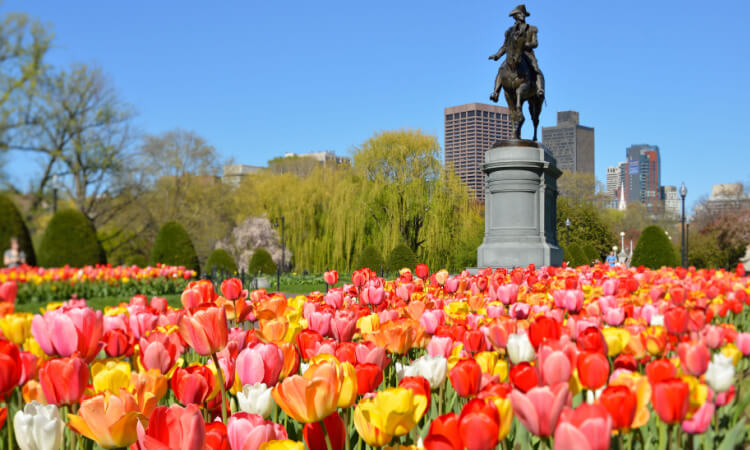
(397, 336)
(110, 420)
(205, 329)
(312, 397)
(148, 389)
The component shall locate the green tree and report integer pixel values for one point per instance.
(577, 255)
(591, 253)
(401, 257)
(221, 260)
(654, 249)
(370, 258)
(262, 262)
(586, 226)
(70, 239)
(13, 225)
(174, 247)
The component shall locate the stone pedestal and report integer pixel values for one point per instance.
(520, 218)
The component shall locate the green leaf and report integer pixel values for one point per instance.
(734, 437)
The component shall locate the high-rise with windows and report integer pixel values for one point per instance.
(643, 176)
(471, 130)
(571, 143)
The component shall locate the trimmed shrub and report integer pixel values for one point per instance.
(12, 224)
(222, 260)
(262, 262)
(591, 253)
(401, 256)
(136, 260)
(174, 247)
(370, 258)
(577, 256)
(654, 249)
(70, 239)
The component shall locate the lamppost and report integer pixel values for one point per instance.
(54, 193)
(683, 194)
(622, 256)
(622, 240)
(567, 232)
(283, 254)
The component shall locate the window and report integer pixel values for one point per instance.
(470, 114)
(484, 113)
(492, 115)
(448, 116)
(463, 114)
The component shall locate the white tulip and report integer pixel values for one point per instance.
(720, 373)
(657, 319)
(256, 399)
(38, 427)
(433, 368)
(405, 371)
(520, 349)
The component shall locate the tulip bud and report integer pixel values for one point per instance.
(520, 348)
(256, 399)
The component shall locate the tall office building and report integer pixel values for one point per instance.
(470, 130)
(671, 201)
(643, 177)
(614, 179)
(571, 144)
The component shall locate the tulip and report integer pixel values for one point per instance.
(593, 369)
(621, 403)
(368, 432)
(64, 380)
(701, 419)
(440, 346)
(348, 385)
(466, 377)
(524, 376)
(108, 419)
(194, 385)
(231, 288)
(11, 367)
(394, 411)
(173, 427)
(660, 370)
(248, 431)
(520, 348)
(311, 397)
(639, 385)
(29, 367)
(319, 322)
(539, 408)
(422, 271)
(676, 320)
(331, 277)
(118, 343)
(216, 436)
(571, 300)
(148, 388)
(261, 363)
(373, 294)
(591, 339)
(16, 327)
(694, 357)
(158, 352)
(670, 400)
(587, 427)
(69, 330)
(418, 385)
(742, 341)
(479, 425)
(433, 368)
(343, 325)
(8, 291)
(38, 427)
(720, 373)
(205, 329)
(444, 433)
(256, 399)
(110, 376)
(284, 444)
(335, 429)
(369, 377)
(617, 340)
(555, 367)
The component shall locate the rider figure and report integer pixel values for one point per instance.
(524, 35)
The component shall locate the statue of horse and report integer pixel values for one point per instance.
(520, 84)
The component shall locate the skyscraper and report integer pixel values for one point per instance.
(643, 177)
(614, 179)
(470, 130)
(571, 144)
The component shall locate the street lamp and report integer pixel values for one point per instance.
(567, 232)
(622, 240)
(55, 186)
(283, 254)
(683, 194)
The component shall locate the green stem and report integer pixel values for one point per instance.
(441, 392)
(9, 421)
(73, 436)
(347, 421)
(223, 389)
(325, 434)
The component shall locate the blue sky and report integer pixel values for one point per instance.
(258, 79)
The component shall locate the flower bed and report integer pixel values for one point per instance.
(587, 358)
(37, 284)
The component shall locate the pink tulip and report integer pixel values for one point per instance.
(587, 427)
(320, 322)
(141, 323)
(554, 366)
(159, 304)
(331, 277)
(507, 293)
(495, 311)
(742, 341)
(261, 363)
(8, 292)
(431, 319)
(373, 294)
(440, 346)
(569, 299)
(249, 431)
(713, 336)
(451, 285)
(694, 357)
(519, 310)
(68, 330)
(388, 315)
(614, 316)
(373, 355)
(343, 325)
(334, 298)
(118, 322)
(701, 419)
(539, 409)
(609, 287)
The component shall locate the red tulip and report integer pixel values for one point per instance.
(331, 277)
(676, 320)
(587, 427)
(173, 427)
(335, 428)
(444, 433)
(694, 357)
(231, 288)
(466, 377)
(543, 329)
(627, 362)
(593, 369)
(64, 380)
(660, 370)
(621, 403)
(369, 377)
(418, 385)
(308, 341)
(670, 399)
(216, 436)
(118, 343)
(479, 425)
(205, 329)
(524, 376)
(193, 385)
(29, 367)
(8, 291)
(422, 271)
(11, 367)
(592, 340)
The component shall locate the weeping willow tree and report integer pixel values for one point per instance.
(397, 192)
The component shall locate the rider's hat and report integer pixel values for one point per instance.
(519, 9)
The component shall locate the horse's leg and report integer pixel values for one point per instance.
(515, 116)
(534, 110)
(521, 92)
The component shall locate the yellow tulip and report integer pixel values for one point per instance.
(395, 411)
(731, 351)
(348, 390)
(491, 364)
(369, 324)
(617, 339)
(110, 376)
(16, 327)
(369, 433)
(698, 394)
(282, 445)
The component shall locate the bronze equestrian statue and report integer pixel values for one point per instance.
(519, 75)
